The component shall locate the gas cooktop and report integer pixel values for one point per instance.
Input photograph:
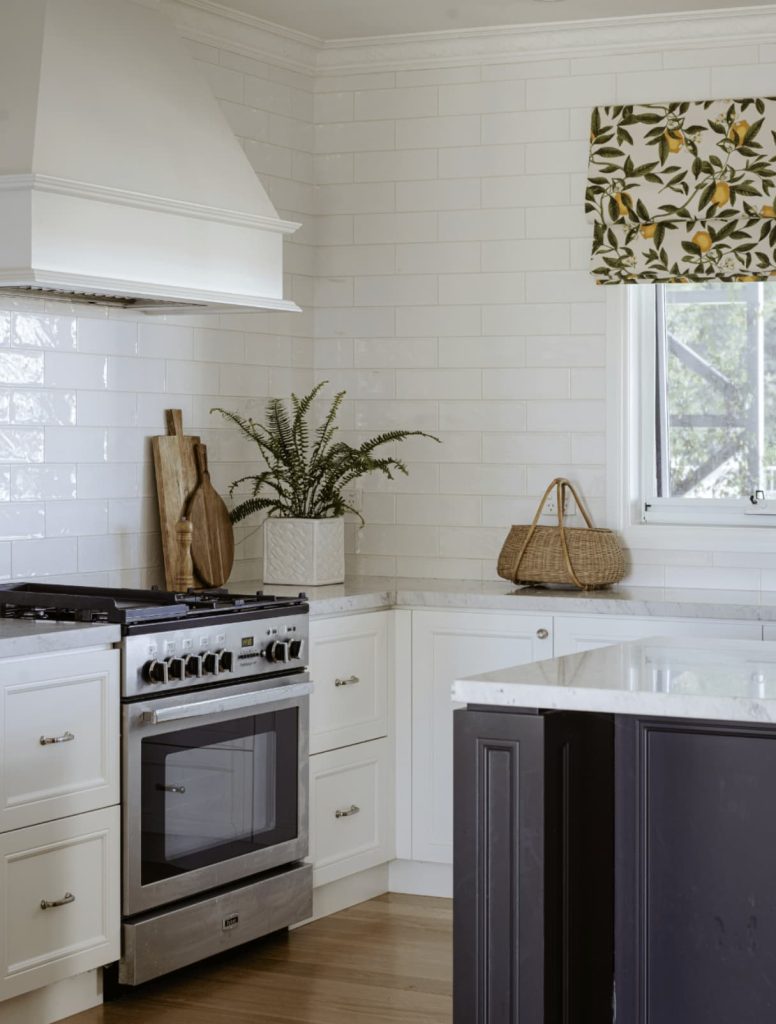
(128, 607)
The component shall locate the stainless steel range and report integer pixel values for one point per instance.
(214, 740)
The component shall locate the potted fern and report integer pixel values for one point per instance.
(303, 487)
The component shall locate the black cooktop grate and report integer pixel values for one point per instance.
(126, 607)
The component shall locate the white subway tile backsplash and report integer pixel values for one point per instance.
(438, 258)
(391, 352)
(425, 132)
(463, 194)
(436, 321)
(354, 136)
(575, 91)
(481, 225)
(108, 337)
(481, 161)
(41, 483)
(526, 319)
(396, 290)
(333, 168)
(30, 330)
(358, 198)
(481, 97)
(379, 104)
(526, 190)
(518, 254)
(481, 288)
(481, 352)
(527, 127)
(484, 415)
(383, 228)
(523, 384)
(52, 556)
(355, 260)
(438, 383)
(402, 165)
(77, 518)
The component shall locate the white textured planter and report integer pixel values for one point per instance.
(304, 552)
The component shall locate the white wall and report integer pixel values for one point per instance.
(82, 390)
(443, 270)
(453, 295)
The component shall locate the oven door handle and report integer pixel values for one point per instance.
(235, 703)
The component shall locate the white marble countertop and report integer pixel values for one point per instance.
(369, 593)
(727, 680)
(22, 637)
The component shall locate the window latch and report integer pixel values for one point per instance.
(757, 497)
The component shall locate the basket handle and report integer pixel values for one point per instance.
(561, 485)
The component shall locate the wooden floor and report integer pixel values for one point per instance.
(382, 962)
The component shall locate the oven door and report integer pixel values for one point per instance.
(215, 788)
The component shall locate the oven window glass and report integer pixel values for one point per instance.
(218, 791)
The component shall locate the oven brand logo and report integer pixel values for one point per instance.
(230, 922)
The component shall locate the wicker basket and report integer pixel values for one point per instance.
(587, 557)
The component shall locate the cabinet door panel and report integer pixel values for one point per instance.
(74, 865)
(447, 646)
(349, 666)
(350, 810)
(576, 633)
(59, 729)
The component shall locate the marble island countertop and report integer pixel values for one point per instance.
(371, 593)
(23, 637)
(726, 680)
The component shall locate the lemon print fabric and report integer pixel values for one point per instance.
(683, 191)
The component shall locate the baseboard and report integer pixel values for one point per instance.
(54, 1002)
(420, 878)
(347, 892)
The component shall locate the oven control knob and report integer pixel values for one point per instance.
(195, 665)
(155, 671)
(226, 661)
(212, 663)
(176, 668)
(296, 648)
(277, 651)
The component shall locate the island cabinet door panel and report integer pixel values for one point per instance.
(696, 872)
(447, 646)
(533, 912)
(575, 633)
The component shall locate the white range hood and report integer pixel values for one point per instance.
(120, 179)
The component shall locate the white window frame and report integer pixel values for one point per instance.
(700, 524)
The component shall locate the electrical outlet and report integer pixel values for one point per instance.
(551, 507)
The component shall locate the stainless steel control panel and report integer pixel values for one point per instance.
(212, 654)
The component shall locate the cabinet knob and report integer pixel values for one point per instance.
(542, 633)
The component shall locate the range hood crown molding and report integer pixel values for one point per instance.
(120, 180)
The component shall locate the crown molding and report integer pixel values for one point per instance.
(216, 24)
(691, 30)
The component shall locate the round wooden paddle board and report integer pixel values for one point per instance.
(212, 542)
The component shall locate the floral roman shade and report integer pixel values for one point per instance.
(683, 191)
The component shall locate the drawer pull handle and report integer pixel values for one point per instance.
(66, 737)
(349, 681)
(348, 813)
(171, 789)
(542, 634)
(48, 904)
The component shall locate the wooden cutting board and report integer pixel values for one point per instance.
(175, 466)
(212, 545)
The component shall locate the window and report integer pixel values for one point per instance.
(708, 402)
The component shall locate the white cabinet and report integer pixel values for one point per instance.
(59, 736)
(60, 899)
(445, 647)
(769, 632)
(351, 803)
(574, 633)
(349, 667)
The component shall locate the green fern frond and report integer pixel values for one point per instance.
(308, 481)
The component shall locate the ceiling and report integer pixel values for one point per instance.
(344, 19)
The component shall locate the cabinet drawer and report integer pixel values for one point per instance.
(76, 857)
(59, 736)
(349, 666)
(351, 801)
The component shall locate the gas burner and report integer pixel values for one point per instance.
(130, 607)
